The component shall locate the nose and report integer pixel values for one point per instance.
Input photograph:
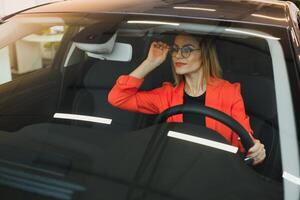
(178, 54)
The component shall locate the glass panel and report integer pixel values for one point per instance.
(30, 53)
(68, 114)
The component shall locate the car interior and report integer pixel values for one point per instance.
(240, 59)
(89, 70)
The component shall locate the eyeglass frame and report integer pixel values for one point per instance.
(180, 49)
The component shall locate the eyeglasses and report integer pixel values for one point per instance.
(185, 51)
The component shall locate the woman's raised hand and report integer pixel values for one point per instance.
(157, 54)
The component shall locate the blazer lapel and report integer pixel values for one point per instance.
(177, 99)
(212, 100)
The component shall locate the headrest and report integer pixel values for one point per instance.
(245, 58)
(103, 74)
(258, 94)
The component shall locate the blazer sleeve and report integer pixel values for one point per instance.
(238, 113)
(125, 94)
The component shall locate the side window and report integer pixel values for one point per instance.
(30, 53)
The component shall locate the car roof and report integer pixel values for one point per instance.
(266, 12)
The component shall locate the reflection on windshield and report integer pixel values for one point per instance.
(82, 118)
(202, 141)
(58, 118)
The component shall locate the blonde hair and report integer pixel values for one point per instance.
(210, 63)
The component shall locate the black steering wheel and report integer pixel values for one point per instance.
(246, 140)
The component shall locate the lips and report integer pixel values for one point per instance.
(179, 64)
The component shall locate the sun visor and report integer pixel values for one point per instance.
(97, 38)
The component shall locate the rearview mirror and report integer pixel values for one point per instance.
(121, 52)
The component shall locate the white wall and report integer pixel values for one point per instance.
(11, 6)
(7, 7)
(5, 75)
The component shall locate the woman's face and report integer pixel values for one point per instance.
(187, 63)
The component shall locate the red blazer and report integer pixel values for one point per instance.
(220, 94)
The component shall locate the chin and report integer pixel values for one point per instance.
(182, 71)
(185, 70)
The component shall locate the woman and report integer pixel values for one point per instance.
(197, 80)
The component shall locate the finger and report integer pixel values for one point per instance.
(256, 153)
(260, 157)
(261, 147)
(256, 160)
(255, 147)
(166, 48)
(259, 160)
(161, 43)
(160, 46)
(262, 152)
(154, 44)
(253, 155)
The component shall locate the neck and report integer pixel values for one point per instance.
(194, 83)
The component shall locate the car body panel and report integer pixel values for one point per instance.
(269, 17)
(263, 12)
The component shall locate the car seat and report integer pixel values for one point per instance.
(90, 84)
(251, 66)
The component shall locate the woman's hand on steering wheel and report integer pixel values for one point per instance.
(257, 152)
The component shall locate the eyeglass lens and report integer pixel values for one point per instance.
(184, 51)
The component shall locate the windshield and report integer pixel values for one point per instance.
(56, 117)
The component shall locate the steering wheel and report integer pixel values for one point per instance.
(246, 140)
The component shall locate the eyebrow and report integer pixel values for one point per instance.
(186, 45)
